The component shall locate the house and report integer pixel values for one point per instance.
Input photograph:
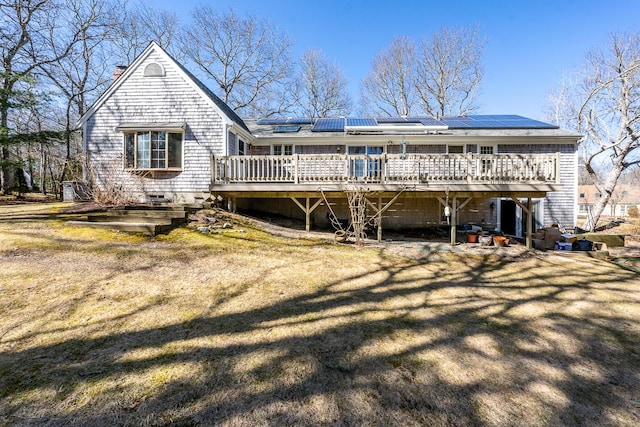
(161, 134)
(623, 198)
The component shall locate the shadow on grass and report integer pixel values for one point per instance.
(444, 340)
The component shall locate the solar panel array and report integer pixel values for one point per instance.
(401, 120)
(494, 122)
(361, 122)
(453, 122)
(329, 125)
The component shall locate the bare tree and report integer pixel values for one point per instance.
(24, 25)
(247, 58)
(604, 106)
(389, 87)
(139, 25)
(449, 71)
(322, 87)
(79, 77)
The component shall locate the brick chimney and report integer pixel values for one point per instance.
(118, 71)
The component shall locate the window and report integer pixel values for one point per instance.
(241, 148)
(153, 70)
(283, 150)
(456, 149)
(585, 207)
(486, 149)
(582, 195)
(286, 129)
(486, 164)
(153, 150)
(361, 167)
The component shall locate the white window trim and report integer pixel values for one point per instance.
(384, 149)
(135, 153)
(494, 146)
(464, 148)
(293, 149)
(162, 70)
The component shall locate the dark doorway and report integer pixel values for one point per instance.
(508, 217)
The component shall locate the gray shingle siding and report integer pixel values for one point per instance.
(157, 99)
(559, 206)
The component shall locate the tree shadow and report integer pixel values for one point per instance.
(447, 339)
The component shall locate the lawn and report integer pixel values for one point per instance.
(242, 328)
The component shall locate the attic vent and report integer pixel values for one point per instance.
(154, 70)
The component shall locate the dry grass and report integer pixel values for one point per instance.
(100, 328)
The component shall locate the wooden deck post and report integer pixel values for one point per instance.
(307, 212)
(307, 208)
(454, 221)
(528, 209)
(528, 240)
(380, 219)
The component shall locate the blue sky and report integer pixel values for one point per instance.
(530, 45)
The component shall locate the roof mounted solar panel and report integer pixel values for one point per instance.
(497, 121)
(400, 119)
(391, 119)
(329, 125)
(361, 121)
(430, 121)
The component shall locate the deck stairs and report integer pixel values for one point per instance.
(149, 220)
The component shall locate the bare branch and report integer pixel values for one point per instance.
(322, 87)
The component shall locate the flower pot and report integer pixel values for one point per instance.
(472, 238)
(484, 240)
(500, 241)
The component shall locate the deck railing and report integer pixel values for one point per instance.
(387, 168)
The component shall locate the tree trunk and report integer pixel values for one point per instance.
(5, 176)
(606, 191)
(43, 170)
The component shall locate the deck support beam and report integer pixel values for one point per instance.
(380, 209)
(454, 221)
(379, 219)
(307, 208)
(527, 209)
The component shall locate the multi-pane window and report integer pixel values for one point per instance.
(360, 167)
(486, 149)
(153, 150)
(280, 150)
(487, 164)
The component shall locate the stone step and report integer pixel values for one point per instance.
(135, 218)
(160, 208)
(145, 213)
(129, 227)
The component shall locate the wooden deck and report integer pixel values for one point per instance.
(309, 179)
(422, 172)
